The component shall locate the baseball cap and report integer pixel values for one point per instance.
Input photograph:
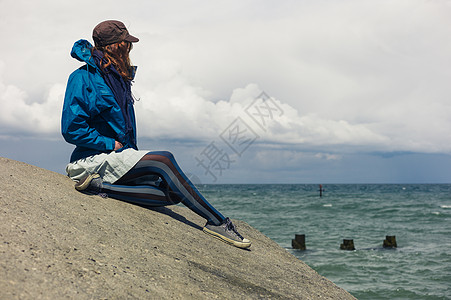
(110, 32)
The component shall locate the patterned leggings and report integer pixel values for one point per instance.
(172, 187)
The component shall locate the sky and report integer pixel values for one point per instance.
(252, 91)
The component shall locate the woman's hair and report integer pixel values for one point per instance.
(117, 55)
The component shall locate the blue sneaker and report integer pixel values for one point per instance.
(91, 184)
(227, 232)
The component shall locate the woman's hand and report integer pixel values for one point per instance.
(117, 145)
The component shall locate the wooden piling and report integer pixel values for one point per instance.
(390, 242)
(298, 242)
(348, 244)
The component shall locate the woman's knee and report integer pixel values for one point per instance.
(167, 154)
(162, 153)
(165, 157)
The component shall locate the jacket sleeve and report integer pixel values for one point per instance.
(79, 109)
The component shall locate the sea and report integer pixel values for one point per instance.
(418, 215)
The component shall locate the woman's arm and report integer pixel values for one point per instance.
(78, 110)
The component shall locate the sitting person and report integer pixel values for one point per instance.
(98, 118)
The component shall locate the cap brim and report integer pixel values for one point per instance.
(131, 39)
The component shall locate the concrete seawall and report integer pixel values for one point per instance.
(56, 243)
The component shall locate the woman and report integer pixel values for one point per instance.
(98, 118)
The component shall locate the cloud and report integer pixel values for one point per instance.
(178, 110)
(349, 76)
(18, 116)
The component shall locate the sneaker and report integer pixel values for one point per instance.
(91, 184)
(227, 232)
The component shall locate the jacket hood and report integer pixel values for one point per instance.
(82, 52)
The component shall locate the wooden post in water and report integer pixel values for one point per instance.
(348, 244)
(298, 242)
(390, 242)
(320, 190)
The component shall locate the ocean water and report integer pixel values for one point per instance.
(419, 215)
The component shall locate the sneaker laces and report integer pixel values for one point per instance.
(231, 227)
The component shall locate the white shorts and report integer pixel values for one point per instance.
(111, 167)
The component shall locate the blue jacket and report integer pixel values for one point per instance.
(92, 120)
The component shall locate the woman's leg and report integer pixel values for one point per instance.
(174, 188)
(139, 194)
